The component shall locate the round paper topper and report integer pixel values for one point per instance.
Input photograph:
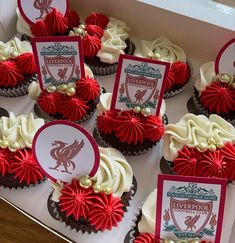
(34, 10)
(65, 150)
(225, 60)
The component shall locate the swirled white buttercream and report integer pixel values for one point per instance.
(163, 46)
(192, 131)
(105, 104)
(22, 26)
(114, 172)
(35, 90)
(207, 73)
(147, 222)
(113, 41)
(20, 129)
(13, 48)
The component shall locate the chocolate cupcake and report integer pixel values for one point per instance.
(215, 94)
(18, 168)
(131, 132)
(98, 203)
(180, 71)
(73, 102)
(17, 68)
(104, 39)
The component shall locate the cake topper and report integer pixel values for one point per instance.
(34, 10)
(225, 60)
(190, 207)
(65, 150)
(139, 85)
(59, 60)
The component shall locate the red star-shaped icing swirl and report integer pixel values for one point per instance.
(106, 212)
(228, 153)
(218, 97)
(73, 19)
(25, 167)
(76, 201)
(181, 72)
(40, 29)
(6, 158)
(145, 238)
(97, 19)
(26, 63)
(105, 122)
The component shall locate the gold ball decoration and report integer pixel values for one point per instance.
(4, 144)
(85, 182)
(212, 147)
(233, 84)
(150, 55)
(225, 77)
(146, 111)
(108, 190)
(79, 31)
(2, 58)
(220, 145)
(71, 91)
(137, 109)
(97, 188)
(169, 241)
(82, 26)
(14, 54)
(211, 141)
(194, 241)
(14, 146)
(63, 87)
(51, 88)
(157, 56)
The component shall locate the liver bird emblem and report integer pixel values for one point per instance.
(44, 6)
(64, 154)
(190, 222)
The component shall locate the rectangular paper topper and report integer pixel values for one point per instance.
(58, 59)
(139, 82)
(190, 207)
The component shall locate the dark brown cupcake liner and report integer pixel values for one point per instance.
(200, 109)
(102, 69)
(20, 89)
(83, 225)
(134, 232)
(126, 149)
(8, 181)
(3, 112)
(180, 88)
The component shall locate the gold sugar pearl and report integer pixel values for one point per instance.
(137, 109)
(63, 87)
(225, 77)
(97, 188)
(14, 146)
(85, 182)
(71, 91)
(202, 146)
(211, 141)
(150, 55)
(212, 147)
(146, 111)
(220, 145)
(4, 144)
(108, 190)
(157, 56)
(51, 88)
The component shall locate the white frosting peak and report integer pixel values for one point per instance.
(19, 129)
(207, 72)
(192, 131)
(22, 26)
(163, 46)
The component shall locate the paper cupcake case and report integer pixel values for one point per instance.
(134, 232)
(83, 225)
(20, 89)
(8, 181)
(105, 68)
(104, 141)
(201, 110)
(178, 91)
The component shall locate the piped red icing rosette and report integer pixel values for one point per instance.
(73, 102)
(215, 93)
(163, 49)
(132, 131)
(17, 67)
(201, 146)
(18, 167)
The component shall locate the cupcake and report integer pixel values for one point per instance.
(17, 67)
(73, 102)
(98, 203)
(201, 146)
(104, 39)
(53, 24)
(180, 70)
(143, 230)
(18, 167)
(131, 132)
(215, 94)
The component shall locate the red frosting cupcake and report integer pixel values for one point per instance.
(18, 167)
(132, 132)
(17, 68)
(74, 102)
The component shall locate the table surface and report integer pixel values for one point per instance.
(145, 167)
